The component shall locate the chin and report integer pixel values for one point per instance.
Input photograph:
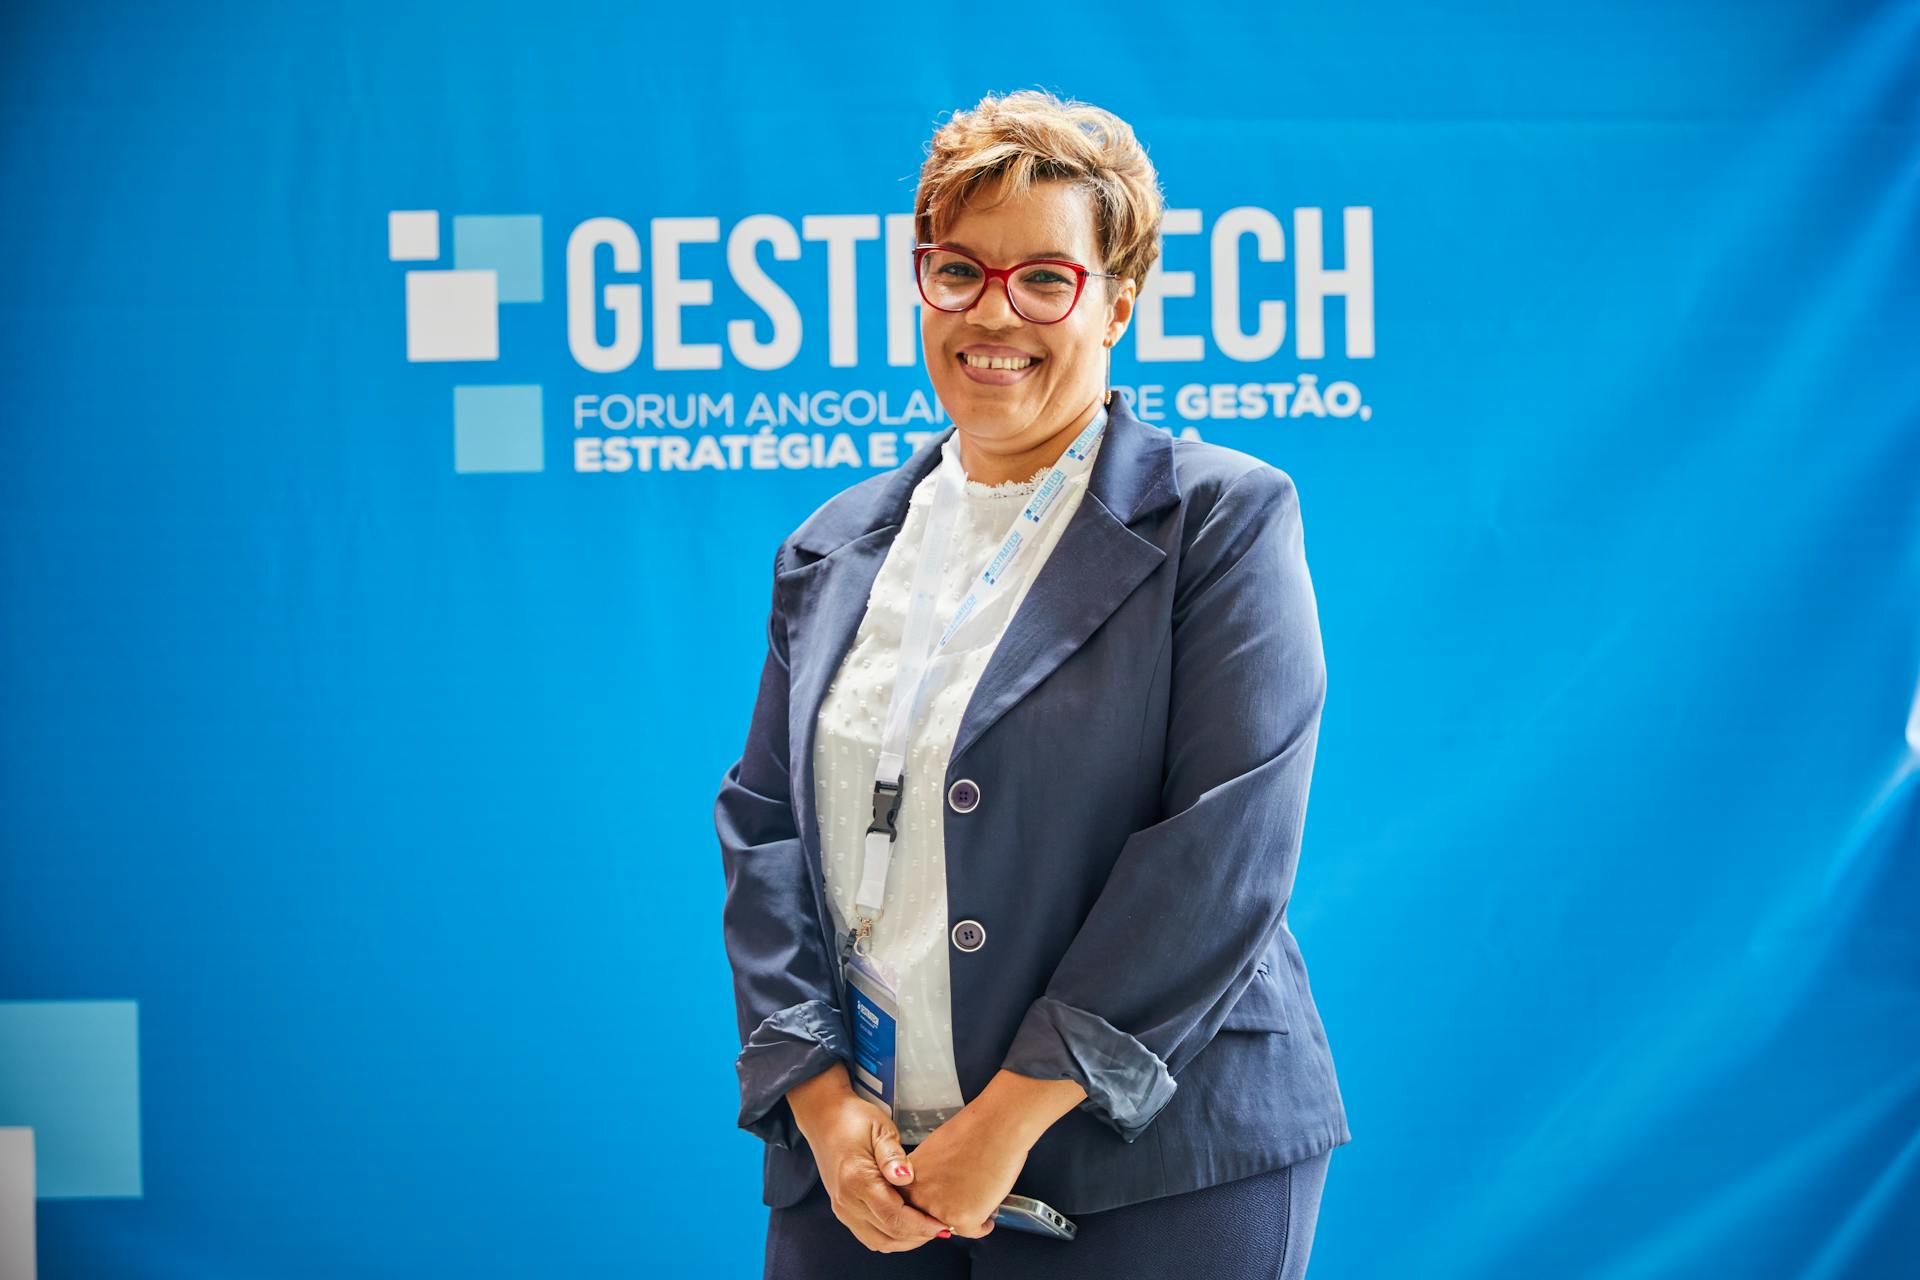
(992, 400)
(988, 414)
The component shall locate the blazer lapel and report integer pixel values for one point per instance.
(1095, 566)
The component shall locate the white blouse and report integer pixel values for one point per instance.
(910, 939)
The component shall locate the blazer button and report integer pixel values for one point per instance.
(963, 795)
(969, 935)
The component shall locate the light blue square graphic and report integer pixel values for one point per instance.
(497, 429)
(508, 244)
(70, 1070)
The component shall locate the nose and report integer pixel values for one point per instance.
(997, 314)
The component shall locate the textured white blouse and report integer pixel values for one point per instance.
(910, 940)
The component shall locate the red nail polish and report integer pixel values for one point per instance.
(899, 1171)
(945, 1232)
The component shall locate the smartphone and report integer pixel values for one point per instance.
(1024, 1213)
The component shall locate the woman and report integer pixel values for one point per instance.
(1025, 784)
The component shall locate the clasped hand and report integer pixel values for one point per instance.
(951, 1185)
(962, 1172)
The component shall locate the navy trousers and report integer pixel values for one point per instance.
(1259, 1226)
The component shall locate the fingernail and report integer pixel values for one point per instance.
(945, 1232)
(899, 1171)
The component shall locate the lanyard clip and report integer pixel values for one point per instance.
(886, 808)
(856, 939)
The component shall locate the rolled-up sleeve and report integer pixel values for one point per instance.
(1193, 901)
(791, 1028)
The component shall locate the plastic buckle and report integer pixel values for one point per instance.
(886, 809)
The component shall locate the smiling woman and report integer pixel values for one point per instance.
(1010, 848)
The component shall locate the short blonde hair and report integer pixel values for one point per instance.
(1031, 135)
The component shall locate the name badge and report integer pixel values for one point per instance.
(876, 1030)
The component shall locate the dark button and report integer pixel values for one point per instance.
(963, 795)
(969, 935)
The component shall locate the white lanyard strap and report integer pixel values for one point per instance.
(920, 649)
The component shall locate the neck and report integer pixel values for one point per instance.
(990, 462)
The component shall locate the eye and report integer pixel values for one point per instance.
(956, 270)
(1048, 278)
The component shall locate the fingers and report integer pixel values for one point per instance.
(866, 1232)
(891, 1156)
(868, 1205)
(895, 1217)
(883, 1229)
(976, 1231)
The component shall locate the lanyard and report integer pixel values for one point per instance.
(919, 648)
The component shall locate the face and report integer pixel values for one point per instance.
(1017, 409)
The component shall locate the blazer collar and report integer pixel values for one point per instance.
(1097, 563)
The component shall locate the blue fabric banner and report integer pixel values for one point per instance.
(404, 405)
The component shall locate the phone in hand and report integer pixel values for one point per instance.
(1024, 1213)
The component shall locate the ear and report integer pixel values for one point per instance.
(1120, 312)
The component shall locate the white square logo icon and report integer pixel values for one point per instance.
(413, 235)
(453, 315)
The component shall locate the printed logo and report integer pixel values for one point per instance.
(1249, 286)
(453, 313)
(1052, 487)
(991, 574)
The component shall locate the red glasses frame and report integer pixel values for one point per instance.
(1005, 276)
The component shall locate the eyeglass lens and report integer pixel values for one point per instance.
(1040, 292)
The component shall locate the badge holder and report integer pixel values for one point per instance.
(876, 1027)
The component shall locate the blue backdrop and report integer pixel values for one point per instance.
(404, 403)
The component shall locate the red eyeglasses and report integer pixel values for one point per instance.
(1041, 290)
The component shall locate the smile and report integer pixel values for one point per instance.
(998, 371)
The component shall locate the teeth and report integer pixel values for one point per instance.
(996, 362)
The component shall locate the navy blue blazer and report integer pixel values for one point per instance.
(1141, 742)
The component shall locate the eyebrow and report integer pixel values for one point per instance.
(1044, 253)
